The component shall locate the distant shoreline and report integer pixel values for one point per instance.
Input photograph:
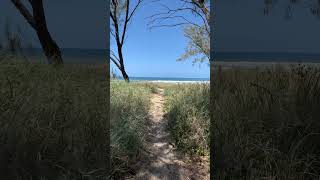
(174, 82)
(147, 78)
(167, 81)
(253, 65)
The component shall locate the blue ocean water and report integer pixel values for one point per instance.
(267, 57)
(100, 56)
(167, 79)
(73, 56)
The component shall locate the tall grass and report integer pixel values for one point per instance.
(129, 113)
(266, 124)
(187, 111)
(53, 122)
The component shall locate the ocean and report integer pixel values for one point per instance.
(98, 56)
(70, 56)
(73, 55)
(267, 57)
(168, 79)
(226, 59)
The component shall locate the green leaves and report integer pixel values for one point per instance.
(198, 45)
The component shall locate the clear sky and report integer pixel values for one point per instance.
(242, 26)
(154, 53)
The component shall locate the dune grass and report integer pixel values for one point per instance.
(129, 114)
(53, 122)
(186, 107)
(266, 124)
(187, 111)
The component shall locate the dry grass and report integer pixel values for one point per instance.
(53, 122)
(266, 124)
(187, 110)
(129, 114)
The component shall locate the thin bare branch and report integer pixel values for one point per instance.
(169, 25)
(115, 62)
(135, 9)
(186, 21)
(157, 20)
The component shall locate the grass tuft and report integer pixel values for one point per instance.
(187, 111)
(129, 114)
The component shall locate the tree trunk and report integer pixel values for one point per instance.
(124, 74)
(121, 61)
(37, 21)
(49, 46)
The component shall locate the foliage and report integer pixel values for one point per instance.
(196, 30)
(198, 45)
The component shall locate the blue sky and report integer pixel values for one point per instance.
(153, 53)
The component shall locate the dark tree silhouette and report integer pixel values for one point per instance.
(37, 21)
(121, 15)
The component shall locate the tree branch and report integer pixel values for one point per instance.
(125, 22)
(115, 62)
(134, 9)
(25, 12)
(203, 14)
(168, 25)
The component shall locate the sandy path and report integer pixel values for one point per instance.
(164, 162)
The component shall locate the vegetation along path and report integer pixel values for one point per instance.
(163, 161)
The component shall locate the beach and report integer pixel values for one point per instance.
(174, 82)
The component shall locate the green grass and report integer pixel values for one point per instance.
(187, 111)
(129, 117)
(53, 122)
(129, 114)
(266, 124)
